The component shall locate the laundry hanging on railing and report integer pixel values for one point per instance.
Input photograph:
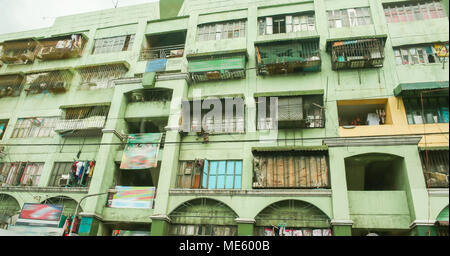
(81, 171)
(141, 151)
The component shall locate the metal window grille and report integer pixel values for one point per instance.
(18, 52)
(101, 77)
(202, 230)
(53, 82)
(288, 57)
(60, 48)
(10, 85)
(437, 173)
(358, 54)
(63, 171)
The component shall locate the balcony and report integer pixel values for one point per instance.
(85, 121)
(52, 82)
(165, 52)
(358, 53)
(284, 57)
(217, 67)
(21, 51)
(61, 47)
(379, 209)
(11, 85)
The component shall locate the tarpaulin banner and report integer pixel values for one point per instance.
(141, 151)
(41, 212)
(40, 215)
(134, 197)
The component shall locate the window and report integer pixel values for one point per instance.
(218, 31)
(413, 11)
(291, 170)
(34, 127)
(286, 24)
(3, 126)
(202, 230)
(101, 77)
(64, 176)
(205, 174)
(435, 110)
(11, 85)
(421, 54)
(53, 82)
(435, 168)
(20, 174)
(349, 17)
(293, 112)
(113, 44)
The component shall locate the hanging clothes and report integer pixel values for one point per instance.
(92, 165)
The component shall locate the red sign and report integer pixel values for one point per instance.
(41, 212)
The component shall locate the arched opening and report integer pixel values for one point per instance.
(68, 213)
(378, 202)
(203, 217)
(442, 222)
(9, 210)
(292, 218)
(374, 172)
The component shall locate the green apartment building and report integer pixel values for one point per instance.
(362, 139)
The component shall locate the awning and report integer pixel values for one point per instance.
(413, 89)
(217, 64)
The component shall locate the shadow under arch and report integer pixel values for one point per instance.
(293, 213)
(69, 204)
(375, 172)
(9, 207)
(203, 216)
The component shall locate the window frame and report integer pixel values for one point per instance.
(24, 128)
(217, 31)
(349, 17)
(112, 44)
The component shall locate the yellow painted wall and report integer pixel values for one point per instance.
(397, 124)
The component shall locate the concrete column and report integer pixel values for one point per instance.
(160, 225)
(245, 227)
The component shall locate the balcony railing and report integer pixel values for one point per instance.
(164, 52)
(366, 53)
(95, 122)
(61, 48)
(18, 52)
(88, 121)
(288, 57)
(10, 85)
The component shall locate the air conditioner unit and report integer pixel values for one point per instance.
(64, 181)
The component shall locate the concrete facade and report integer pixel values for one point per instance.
(406, 208)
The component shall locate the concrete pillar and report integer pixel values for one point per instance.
(160, 225)
(245, 227)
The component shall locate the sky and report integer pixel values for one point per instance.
(22, 15)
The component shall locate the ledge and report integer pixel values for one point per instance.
(342, 223)
(422, 223)
(373, 141)
(45, 190)
(438, 192)
(254, 192)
